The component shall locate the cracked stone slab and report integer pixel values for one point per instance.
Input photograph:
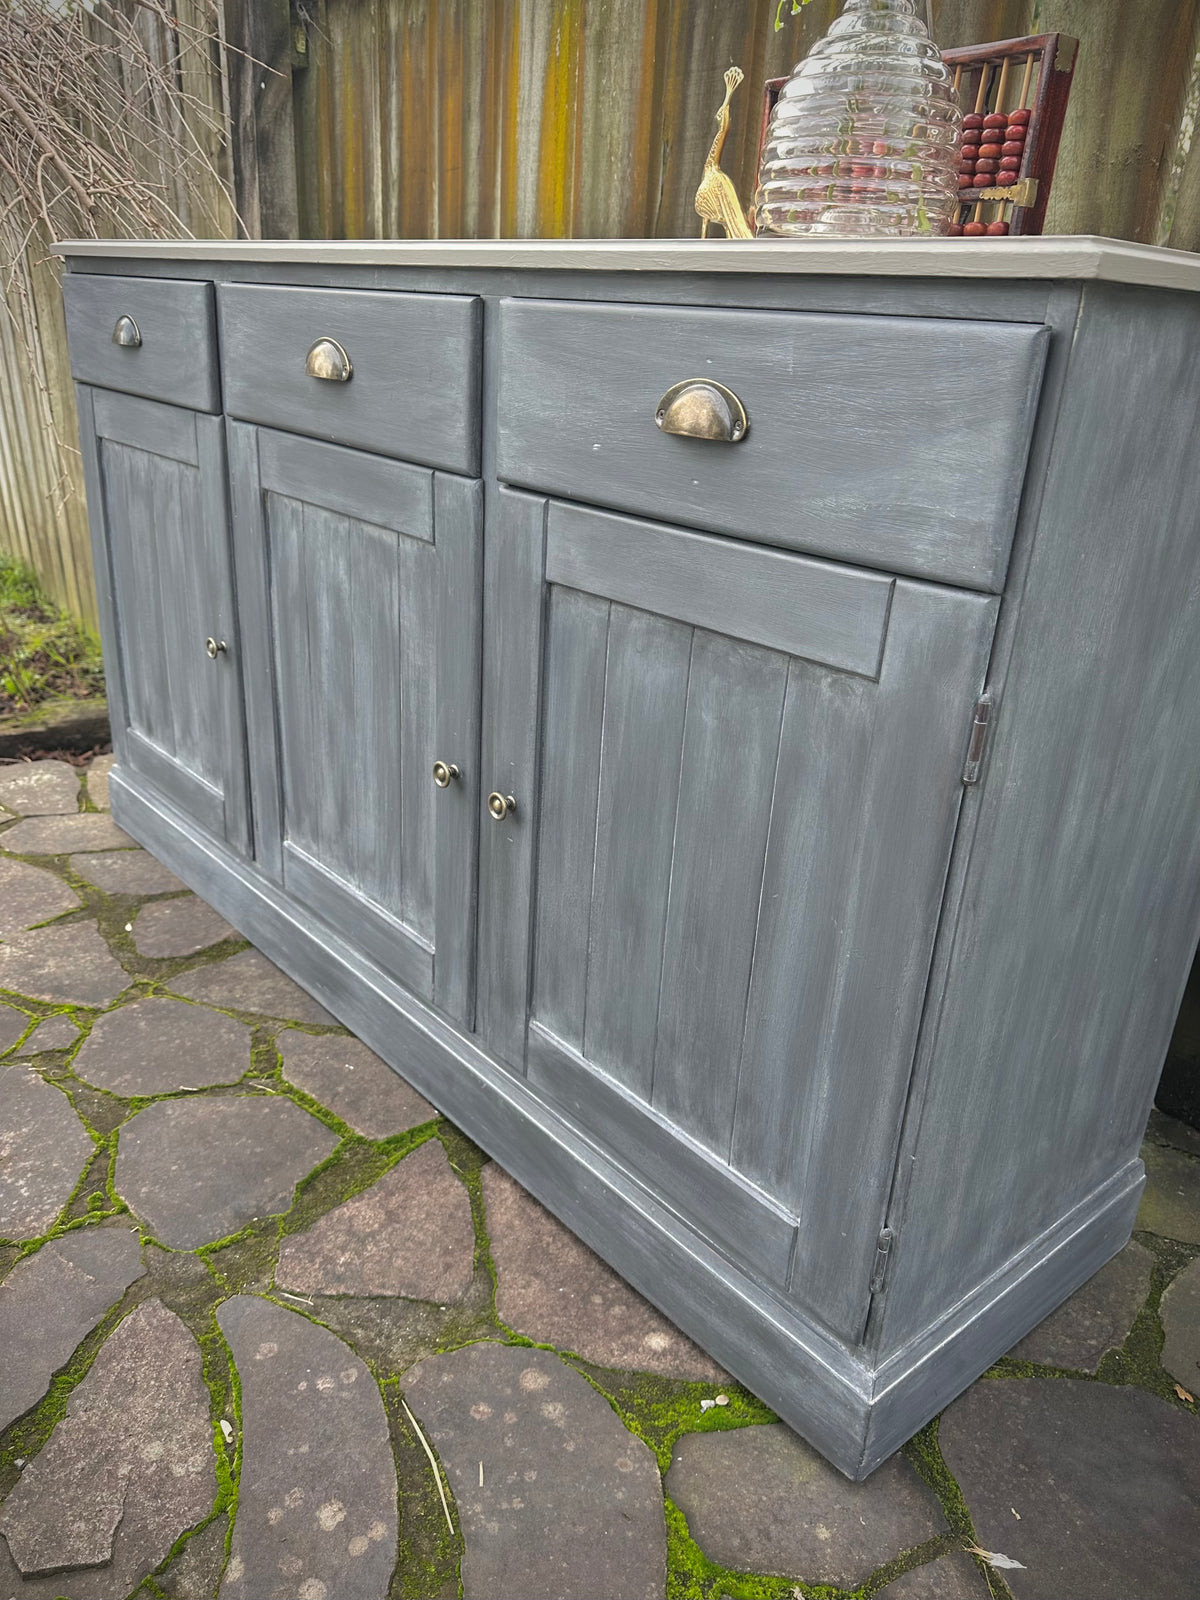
(571, 1504)
(954, 1577)
(51, 1300)
(179, 927)
(1106, 1481)
(39, 788)
(1171, 1200)
(56, 836)
(71, 964)
(127, 872)
(1179, 1312)
(163, 1046)
(198, 1170)
(196, 1571)
(551, 1288)
(353, 1083)
(56, 1033)
(1096, 1318)
(97, 781)
(409, 1234)
(12, 1025)
(43, 1150)
(759, 1499)
(31, 894)
(317, 1501)
(128, 1469)
(249, 982)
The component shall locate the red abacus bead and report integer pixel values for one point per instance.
(1015, 130)
(1010, 164)
(1012, 147)
(986, 166)
(1020, 118)
(974, 230)
(997, 228)
(964, 180)
(955, 230)
(990, 150)
(995, 119)
(1006, 177)
(972, 120)
(971, 140)
(982, 180)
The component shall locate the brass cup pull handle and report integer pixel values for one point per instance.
(444, 773)
(500, 805)
(329, 361)
(701, 409)
(126, 333)
(214, 648)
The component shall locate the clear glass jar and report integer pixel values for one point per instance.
(865, 136)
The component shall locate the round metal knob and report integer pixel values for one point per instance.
(444, 774)
(500, 805)
(214, 648)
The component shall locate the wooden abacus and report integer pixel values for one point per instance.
(1019, 89)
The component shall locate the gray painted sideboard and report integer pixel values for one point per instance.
(810, 875)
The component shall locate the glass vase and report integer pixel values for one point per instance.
(865, 136)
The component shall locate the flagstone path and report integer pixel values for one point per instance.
(272, 1329)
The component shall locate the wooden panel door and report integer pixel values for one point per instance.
(156, 486)
(705, 933)
(360, 581)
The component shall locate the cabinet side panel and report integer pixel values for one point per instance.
(114, 669)
(1081, 903)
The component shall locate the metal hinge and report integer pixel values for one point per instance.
(981, 721)
(883, 1250)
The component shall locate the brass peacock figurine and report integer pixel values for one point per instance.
(716, 198)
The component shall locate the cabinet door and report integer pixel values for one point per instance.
(706, 928)
(156, 492)
(360, 584)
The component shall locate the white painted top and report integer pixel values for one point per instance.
(1046, 256)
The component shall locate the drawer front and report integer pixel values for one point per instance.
(413, 389)
(172, 350)
(894, 442)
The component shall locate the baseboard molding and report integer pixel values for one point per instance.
(916, 1382)
(853, 1415)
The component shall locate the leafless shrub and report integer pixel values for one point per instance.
(113, 124)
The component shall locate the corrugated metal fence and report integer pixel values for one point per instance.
(591, 118)
(580, 118)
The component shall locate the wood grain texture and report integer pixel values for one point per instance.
(737, 883)
(645, 705)
(355, 484)
(415, 385)
(177, 358)
(513, 622)
(458, 602)
(102, 566)
(1071, 950)
(161, 518)
(251, 556)
(835, 615)
(720, 1204)
(576, 651)
(831, 403)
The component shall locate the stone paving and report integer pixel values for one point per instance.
(270, 1329)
